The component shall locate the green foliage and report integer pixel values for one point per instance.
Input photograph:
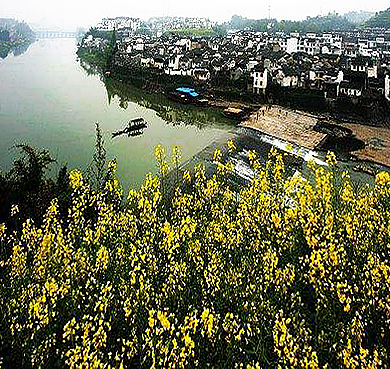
(29, 170)
(28, 187)
(220, 30)
(191, 32)
(358, 17)
(101, 59)
(143, 30)
(14, 35)
(381, 19)
(261, 25)
(4, 35)
(27, 184)
(92, 61)
(96, 33)
(111, 50)
(17, 31)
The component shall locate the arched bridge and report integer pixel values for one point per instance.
(54, 34)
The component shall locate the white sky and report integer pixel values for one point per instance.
(68, 14)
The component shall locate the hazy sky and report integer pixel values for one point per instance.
(67, 14)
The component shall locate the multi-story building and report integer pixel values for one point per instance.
(118, 23)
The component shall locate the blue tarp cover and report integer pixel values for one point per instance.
(188, 90)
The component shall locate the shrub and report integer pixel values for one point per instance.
(287, 273)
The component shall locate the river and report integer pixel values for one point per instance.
(51, 100)
(48, 100)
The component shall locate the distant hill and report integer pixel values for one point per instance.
(319, 24)
(381, 19)
(358, 17)
(326, 23)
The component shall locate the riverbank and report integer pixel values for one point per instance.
(299, 129)
(364, 142)
(292, 126)
(377, 143)
(296, 134)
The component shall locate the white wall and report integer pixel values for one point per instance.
(372, 71)
(340, 76)
(292, 45)
(260, 80)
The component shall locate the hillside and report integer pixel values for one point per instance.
(318, 24)
(358, 17)
(381, 19)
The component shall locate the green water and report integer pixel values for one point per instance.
(49, 100)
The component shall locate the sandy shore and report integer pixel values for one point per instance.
(288, 125)
(377, 142)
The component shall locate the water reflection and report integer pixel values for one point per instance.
(16, 50)
(135, 127)
(171, 112)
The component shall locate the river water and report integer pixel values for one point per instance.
(47, 99)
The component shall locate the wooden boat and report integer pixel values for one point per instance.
(178, 97)
(137, 123)
(202, 102)
(235, 113)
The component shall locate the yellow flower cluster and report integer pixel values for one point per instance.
(288, 273)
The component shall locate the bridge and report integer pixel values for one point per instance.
(54, 34)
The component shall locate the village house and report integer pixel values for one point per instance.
(119, 23)
(201, 75)
(259, 79)
(287, 77)
(364, 64)
(139, 44)
(339, 64)
(351, 88)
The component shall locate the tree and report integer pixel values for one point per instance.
(4, 35)
(29, 171)
(26, 186)
(63, 191)
(98, 167)
(111, 50)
